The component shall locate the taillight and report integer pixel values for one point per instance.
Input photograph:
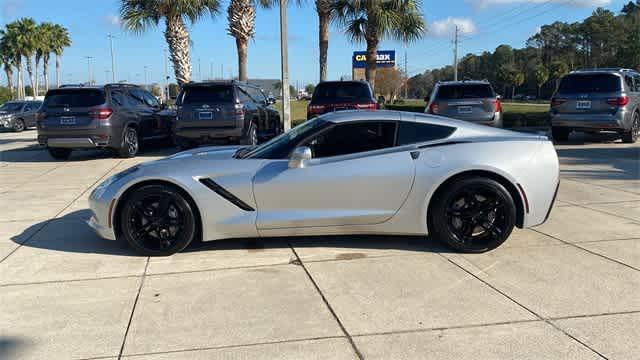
(315, 109)
(100, 113)
(497, 105)
(433, 108)
(370, 106)
(618, 101)
(557, 102)
(239, 110)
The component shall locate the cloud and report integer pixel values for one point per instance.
(113, 20)
(573, 3)
(446, 27)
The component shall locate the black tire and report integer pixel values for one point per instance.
(633, 134)
(473, 214)
(560, 133)
(130, 143)
(18, 125)
(251, 137)
(157, 220)
(59, 153)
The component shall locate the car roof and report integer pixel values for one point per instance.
(605, 71)
(464, 82)
(334, 82)
(218, 82)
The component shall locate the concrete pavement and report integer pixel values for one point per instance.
(565, 290)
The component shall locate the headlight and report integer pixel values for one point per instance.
(100, 189)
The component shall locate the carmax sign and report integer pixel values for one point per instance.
(384, 58)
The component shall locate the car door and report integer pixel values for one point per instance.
(143, 111)
(356, 177)
(251, 110)
(28, 114)
(161, 124)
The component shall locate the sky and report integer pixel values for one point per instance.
(483, 24)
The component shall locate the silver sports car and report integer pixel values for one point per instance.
(350, 172)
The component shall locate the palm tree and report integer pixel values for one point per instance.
(323, 8)
(27, 43)
(44, 50)
(371, 21)
(241, 15)
(60, 40)
(7, 60)
(10, 37)
(138, 15)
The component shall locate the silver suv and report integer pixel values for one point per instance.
(597, 100)
(469, 100)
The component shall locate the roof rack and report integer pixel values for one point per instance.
(604, 69)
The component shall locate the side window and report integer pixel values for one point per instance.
(353, 138)
(27, 107)
(637, 82)
(118, 98)
(257, 95)
(135, 98)
(414, 132)
(149, 99)
(244, 95)
(629, 80)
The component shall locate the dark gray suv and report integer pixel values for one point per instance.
(19, 115)
(113, 116)
(597, 100)
(224, 112)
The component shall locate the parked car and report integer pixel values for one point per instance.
(19, 115)
(468, 100)
(349, 172)
(331, 96)
(597, 100)
(225, 112)
(113, 116)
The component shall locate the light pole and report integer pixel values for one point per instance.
(284, 59)
(113, 59)
(89, 68)
(145, 77)
(106, 76)
(166, 78)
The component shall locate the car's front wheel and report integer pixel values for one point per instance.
(633, 134)
(18, 125)
(157, 220)
(474, 214)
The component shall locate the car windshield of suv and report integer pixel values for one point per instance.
(589, 83)
(470, 91)
(208, 94)
(280, 146)
(74, 98)
(341, 92)
(11, 107)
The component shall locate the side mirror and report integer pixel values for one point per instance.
(299, 157)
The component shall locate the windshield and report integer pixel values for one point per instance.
(208, 94)
(590, 83)
(280, 146)
(11, 107)
(475, 91)
(74, 98)
(341, 92)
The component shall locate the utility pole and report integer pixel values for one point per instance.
(221, 71)
(166, 77)
(145, 78)
(199, 70)
(211, 70)
(89, 68)
(455, 56)
(284, 59)
(113, 59)
(106, 76)
(406, 75)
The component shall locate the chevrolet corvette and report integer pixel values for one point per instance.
(348, 172)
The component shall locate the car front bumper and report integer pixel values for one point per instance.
(6, 123)
(102, 205)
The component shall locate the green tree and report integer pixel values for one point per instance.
(6, 94)
(7, 60)
(60, 40)
(371, 21)
(541, 76)
(27, 45)
(324, 10)
(557, 70)
(309, 88)
(516, 78)
(138, 15)
(44, 49)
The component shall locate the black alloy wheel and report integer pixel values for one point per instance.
(633, 134)
(157, 220)
(474, 215)
(18, 125)
(130, 143)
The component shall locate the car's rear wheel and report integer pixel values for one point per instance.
(157, 220)
(59, 153)
(560, 133)
(18, 125)
(130, 143)
(474, 214)
(251, 138)
(633, 134)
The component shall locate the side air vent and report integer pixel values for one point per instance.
(226, 194)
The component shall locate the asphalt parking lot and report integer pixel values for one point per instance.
(569, 289)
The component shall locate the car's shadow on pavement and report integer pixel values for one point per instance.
(71, 233)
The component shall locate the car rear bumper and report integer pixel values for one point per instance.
(75, 142)
(617, 121)
(208, 135)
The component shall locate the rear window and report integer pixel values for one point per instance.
(341, 92)
(589, 83)
(74, 98)
(208, 94)
(470, 91)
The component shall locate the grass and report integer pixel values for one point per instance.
(515, 114)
